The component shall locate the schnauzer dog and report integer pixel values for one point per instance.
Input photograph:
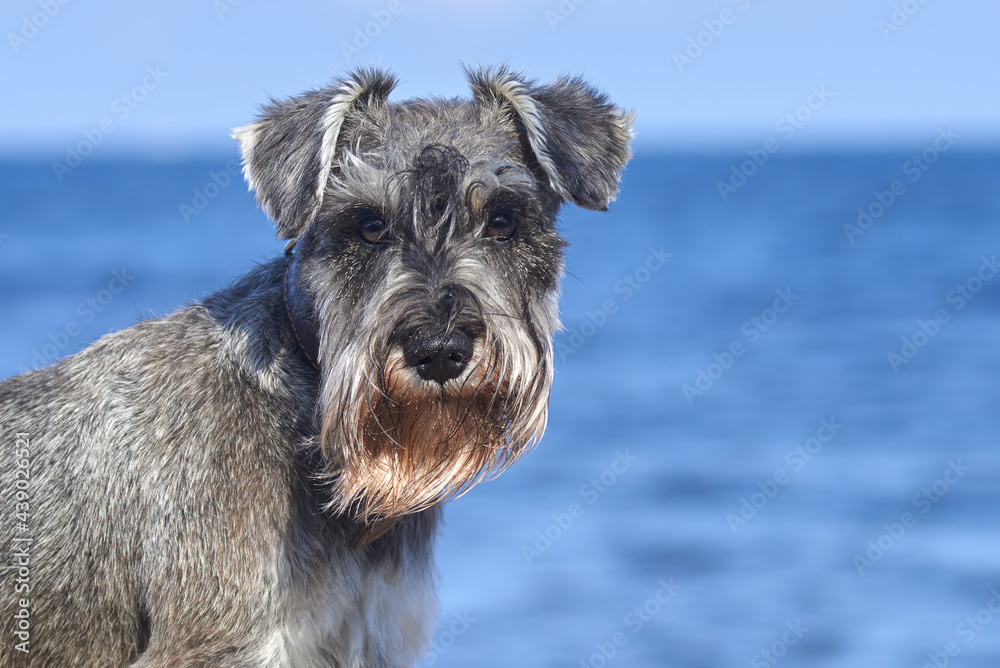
(256, 479)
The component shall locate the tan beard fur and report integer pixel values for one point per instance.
(406, 446)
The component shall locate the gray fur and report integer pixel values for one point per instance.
(202, 495)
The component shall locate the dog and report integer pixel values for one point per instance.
(256, 479)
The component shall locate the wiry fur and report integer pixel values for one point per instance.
(403, 448)
(203, 495)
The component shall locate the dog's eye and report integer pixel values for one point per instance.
(373, 229)
(501, 226)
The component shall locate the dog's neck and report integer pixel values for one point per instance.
(299, 314)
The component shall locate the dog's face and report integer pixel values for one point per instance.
(428, 251)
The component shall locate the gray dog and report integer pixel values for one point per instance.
(256, 479)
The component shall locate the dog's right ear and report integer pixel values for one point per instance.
(290, 150)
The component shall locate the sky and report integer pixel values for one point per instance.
(699, 74)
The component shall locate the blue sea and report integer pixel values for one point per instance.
(773, 437)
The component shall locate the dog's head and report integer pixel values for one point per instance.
(427, 250)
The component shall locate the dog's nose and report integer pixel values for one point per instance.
(439, 356)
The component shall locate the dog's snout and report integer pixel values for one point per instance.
(438, 356)
(455, 301)
(448, 301)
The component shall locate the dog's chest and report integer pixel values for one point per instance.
(353, 616)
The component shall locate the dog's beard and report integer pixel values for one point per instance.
(400, 445)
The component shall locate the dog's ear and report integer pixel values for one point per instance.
(289, 151)
(578, 138)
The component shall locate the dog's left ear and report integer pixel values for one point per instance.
(289, 152)
(578, 138)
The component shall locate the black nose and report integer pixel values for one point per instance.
(439, 356)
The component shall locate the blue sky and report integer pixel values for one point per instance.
(218, 59)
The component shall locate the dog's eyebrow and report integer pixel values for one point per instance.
(485, 178)
(357, 179)
(512, 174)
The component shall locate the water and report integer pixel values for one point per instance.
(674, 471)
